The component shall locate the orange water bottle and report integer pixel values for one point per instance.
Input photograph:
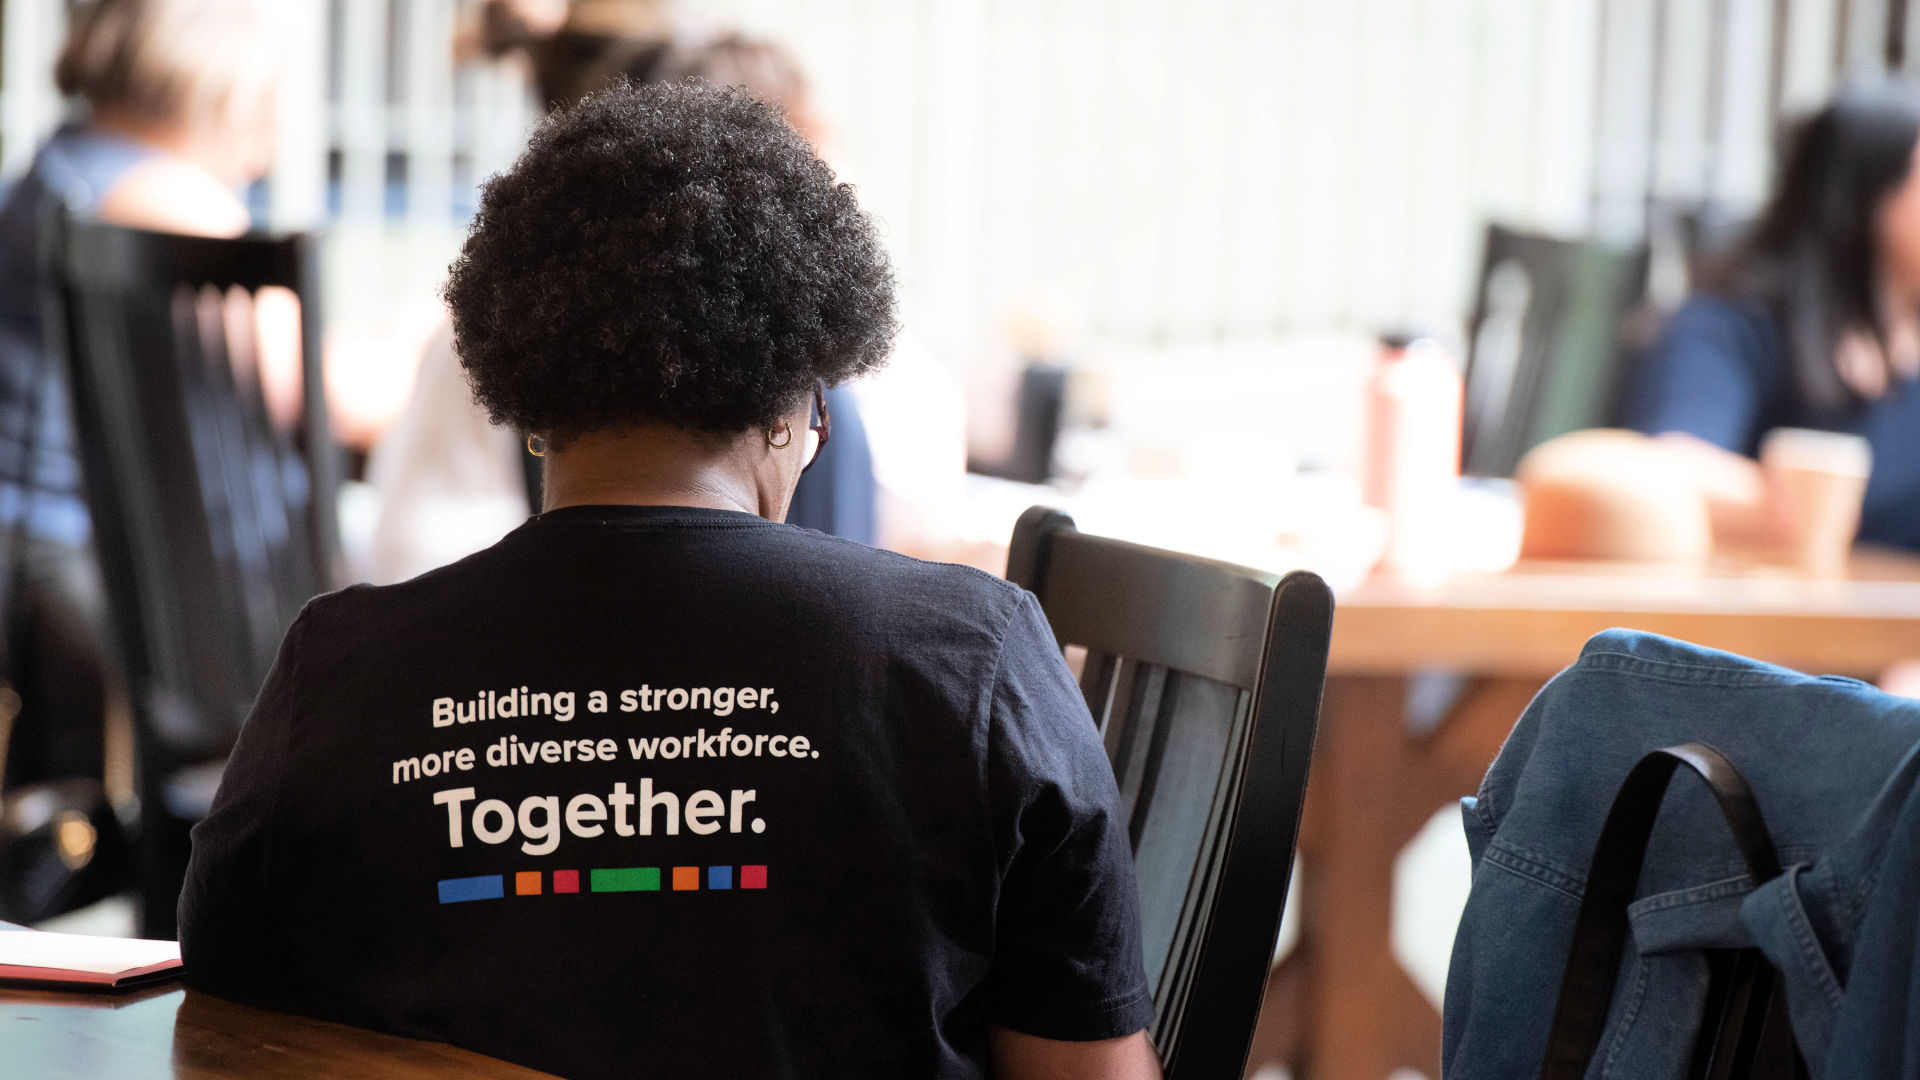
(1414, 401)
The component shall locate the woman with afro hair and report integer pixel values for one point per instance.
(659, 785)
(447, 483)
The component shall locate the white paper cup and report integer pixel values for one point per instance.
(1816, 481)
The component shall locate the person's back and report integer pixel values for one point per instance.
(658, 785)
(677, 791)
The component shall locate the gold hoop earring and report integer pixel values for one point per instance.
(536, 446)
(786, 436)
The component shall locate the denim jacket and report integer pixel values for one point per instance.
(1829, 760)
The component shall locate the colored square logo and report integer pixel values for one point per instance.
(566, 881)
(625, 879)
(753, 877)
(461, 889)
(685, 878)
(526, 883)
(719, 877)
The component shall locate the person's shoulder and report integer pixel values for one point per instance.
(887, 570)
(363, 607)
(1722, 328)
(911, 598)
(167, 194)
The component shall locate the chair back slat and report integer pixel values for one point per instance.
(254, 483)
(1098, 682)
(1130, 732)
(1176, 985)
(1175, 830)
(218, 452)
(1154, 725)
(1209, 755)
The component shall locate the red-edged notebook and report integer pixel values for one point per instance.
(81, 962)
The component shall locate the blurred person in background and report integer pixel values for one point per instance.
(1813, 322)
(178, 104)
(448, 484)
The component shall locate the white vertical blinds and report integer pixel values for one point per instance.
(1173, 169)
(30, 36)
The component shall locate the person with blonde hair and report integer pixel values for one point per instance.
(190, 87)
(175, 100)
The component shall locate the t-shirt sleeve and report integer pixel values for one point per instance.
(230, 940)
(1067, 957)
(1710, 376)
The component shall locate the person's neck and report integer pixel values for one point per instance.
(660, 466)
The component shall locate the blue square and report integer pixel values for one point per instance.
(461, 889)
(719, 877)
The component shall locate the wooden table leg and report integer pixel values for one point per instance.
(1281, 1036)
(1341, 1007)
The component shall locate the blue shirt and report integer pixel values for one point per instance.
(39, 470)
(839, 495)
(1720, 372)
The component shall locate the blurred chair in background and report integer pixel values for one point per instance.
(214, 525)
(1205, 679)
(1546, 352)
(178, 99)
(1039, 407)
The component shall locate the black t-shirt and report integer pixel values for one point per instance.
(657, 791)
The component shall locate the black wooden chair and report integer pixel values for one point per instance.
(1546, 350)
(212, 525)
(1205, 680)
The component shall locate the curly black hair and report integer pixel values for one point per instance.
(669, 254)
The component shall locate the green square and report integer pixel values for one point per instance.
(625, 879)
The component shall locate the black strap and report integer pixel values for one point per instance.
(1600, 934)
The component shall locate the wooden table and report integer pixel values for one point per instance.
(174, 1033)
(1340, 1007)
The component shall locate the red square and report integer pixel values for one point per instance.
(566, 881)
(753, 877)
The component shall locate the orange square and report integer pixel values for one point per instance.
(526, 883)
(686, 877)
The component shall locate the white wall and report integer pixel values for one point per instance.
(1185, 169)
(1174, 170)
